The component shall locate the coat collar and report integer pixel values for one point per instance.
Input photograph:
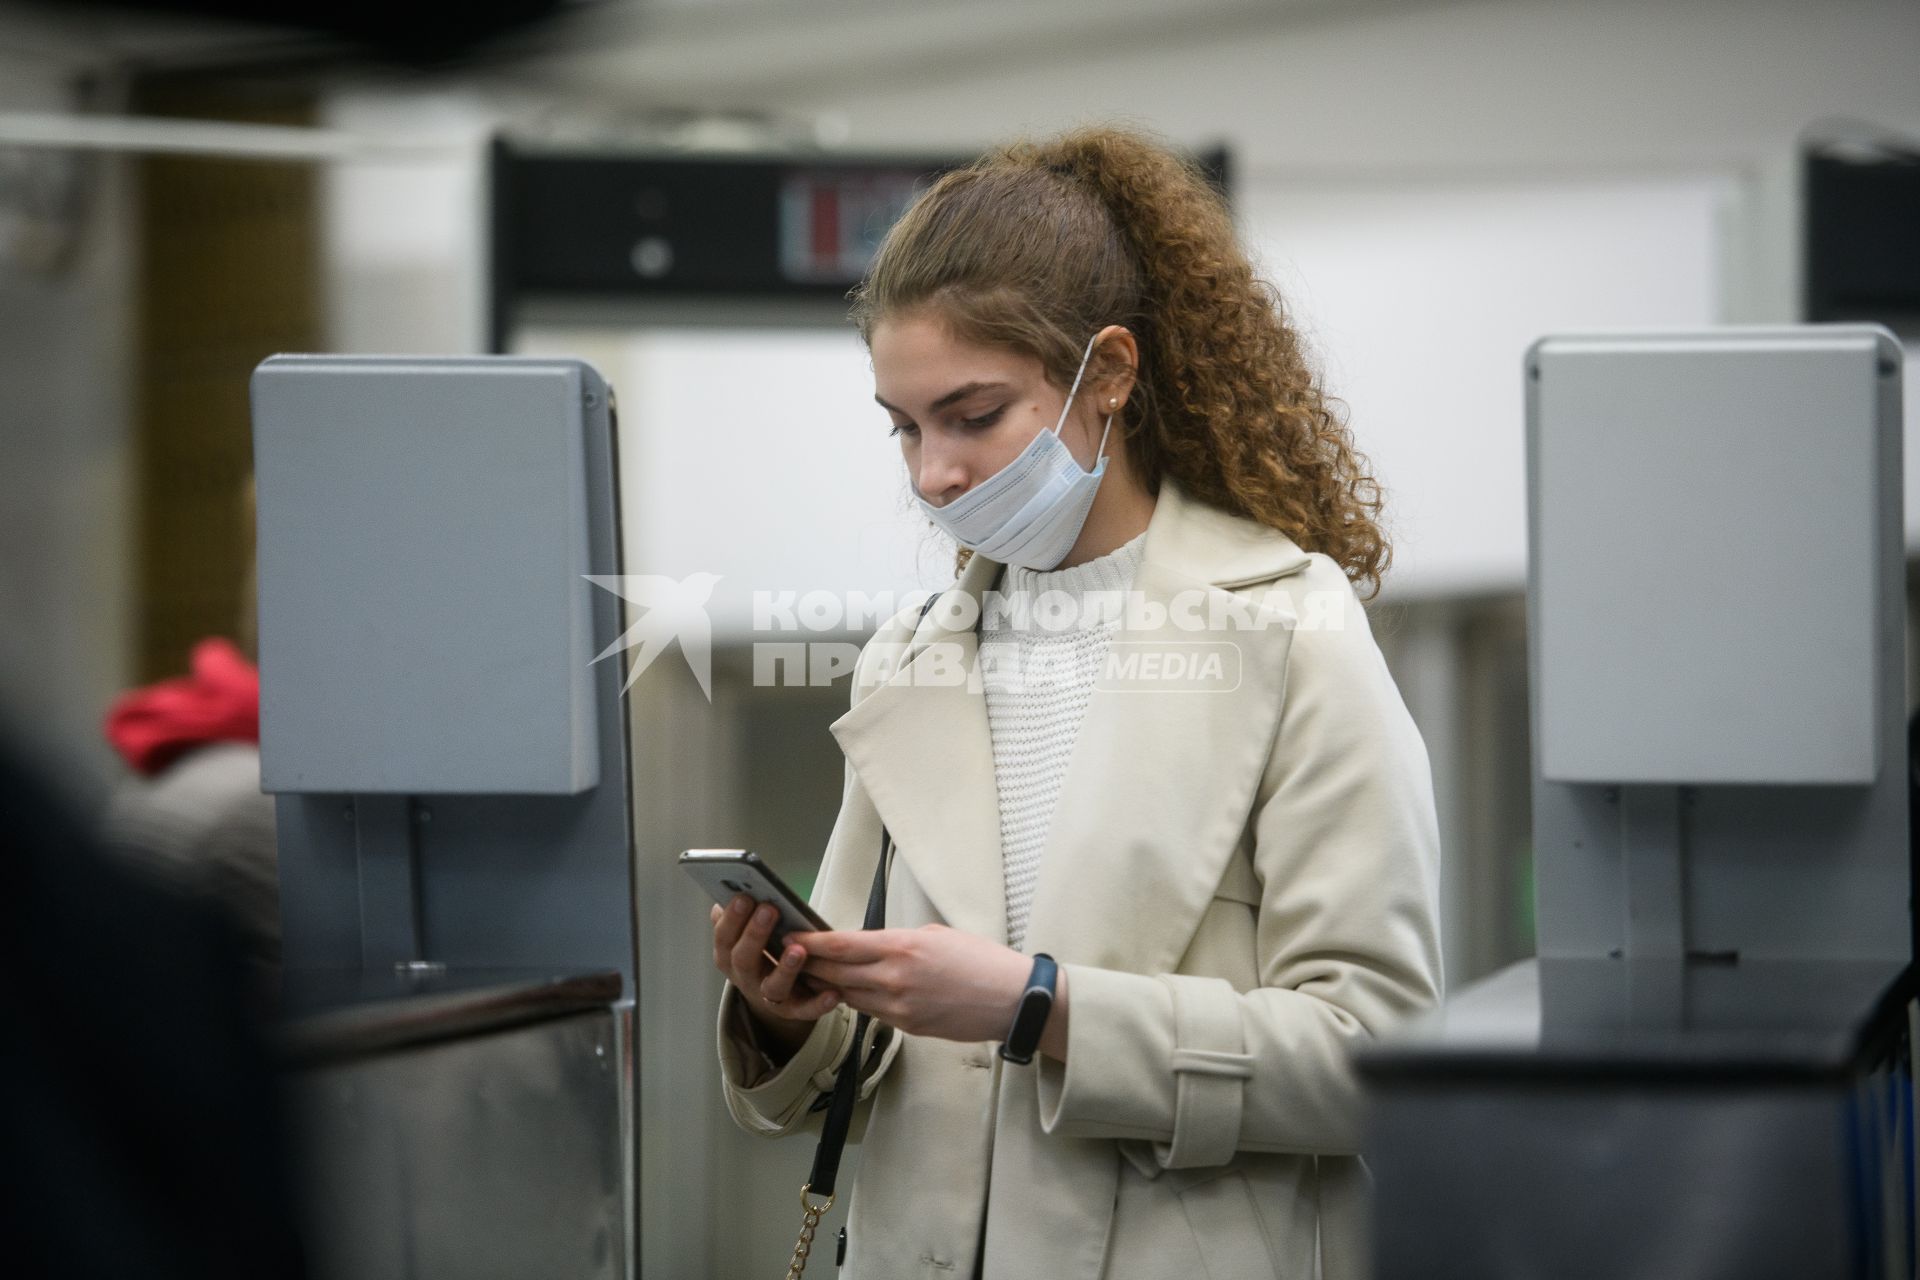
(1201, 542)
(1160, 781)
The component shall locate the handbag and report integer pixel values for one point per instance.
(846, 1082)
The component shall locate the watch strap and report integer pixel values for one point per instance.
(1036, 1005)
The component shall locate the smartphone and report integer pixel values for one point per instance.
(726, 872)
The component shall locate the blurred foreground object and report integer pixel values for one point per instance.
(140, 1134)
(405, 33)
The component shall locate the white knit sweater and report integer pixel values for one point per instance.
(1038, 660)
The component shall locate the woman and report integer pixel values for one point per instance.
(1235, 868)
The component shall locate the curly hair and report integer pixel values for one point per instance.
(1037, 244)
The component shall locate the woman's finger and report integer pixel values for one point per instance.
(733, 919)
(727, 925)
(853, 946)
(751, 942)
(777, 986)
(851, 977)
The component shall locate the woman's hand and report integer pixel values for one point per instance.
(930, 981)
(786, 1002)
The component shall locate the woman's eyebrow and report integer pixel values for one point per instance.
(958, 393)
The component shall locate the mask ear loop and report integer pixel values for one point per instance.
(1078, 374)
(1102, 448)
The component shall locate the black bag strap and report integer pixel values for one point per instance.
(846, 1084)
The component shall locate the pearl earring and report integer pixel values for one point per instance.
(1114, 403)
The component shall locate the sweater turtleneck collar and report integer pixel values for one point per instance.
(1110, 572)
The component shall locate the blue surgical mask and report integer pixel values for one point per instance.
(1030, 511)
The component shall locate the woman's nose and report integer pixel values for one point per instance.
(942, 474)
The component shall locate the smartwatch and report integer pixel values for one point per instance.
(1023, 1037)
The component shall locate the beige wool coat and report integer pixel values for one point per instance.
(1240, 881)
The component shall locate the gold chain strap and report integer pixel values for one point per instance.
(809, 1223)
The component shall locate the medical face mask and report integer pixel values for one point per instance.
(1030, 511)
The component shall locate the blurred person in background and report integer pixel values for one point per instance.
(191, 811)
(140, 1131)
(1239, 881)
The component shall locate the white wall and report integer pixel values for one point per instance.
(1421, 297)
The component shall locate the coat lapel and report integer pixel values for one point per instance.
(920, 746)
(1160, 780)
(1158, 788)
(1163, 771)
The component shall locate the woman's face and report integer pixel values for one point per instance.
(962, 412)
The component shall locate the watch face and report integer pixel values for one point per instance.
(1027, 1023)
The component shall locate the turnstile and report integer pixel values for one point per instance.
(449, 759)
(1707, 1071)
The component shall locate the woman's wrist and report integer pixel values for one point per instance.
(779, 1038)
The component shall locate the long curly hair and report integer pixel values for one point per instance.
(1037, 244)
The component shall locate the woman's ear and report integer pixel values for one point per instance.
(1118, 362)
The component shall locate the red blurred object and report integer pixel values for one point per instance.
(219, 701)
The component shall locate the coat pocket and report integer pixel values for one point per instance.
(1226, 1227)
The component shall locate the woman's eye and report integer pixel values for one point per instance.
(900, 427)
(985, 419)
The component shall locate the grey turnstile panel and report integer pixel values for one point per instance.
(1506, 1182)
(1597, 1118)
(424, 623)
(458, 791)
(1705, 564)
(498, 1154)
